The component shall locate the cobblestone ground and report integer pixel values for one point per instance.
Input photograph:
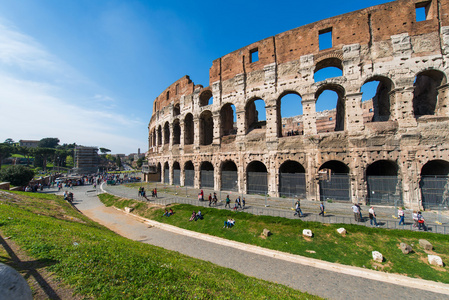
(335, 212)
(317, 281)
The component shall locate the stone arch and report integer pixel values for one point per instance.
(334, 181)
(206, 98)
(207, 175)
(176, 132)
(176, 110)
(189, 174)
(227, 116)
(257, 178)
(434, 184)
(166, 133)
(176, 173)
(383, 183)
(381, 103)
(292, 179)
(206, 128)
(229, 176)
(329, 65)
(289, 126)
(326, 123)
(425, 94)
(166, 173)
(188, 129)
(252, 116)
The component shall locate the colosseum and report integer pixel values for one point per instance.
(391, 149)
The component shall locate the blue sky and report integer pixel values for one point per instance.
(88, 71)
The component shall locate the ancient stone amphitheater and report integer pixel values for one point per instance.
(391, 149)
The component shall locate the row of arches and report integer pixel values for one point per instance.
(382, 178)
(380, 107)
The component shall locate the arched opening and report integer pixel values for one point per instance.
(159, 172)
(257, 178)
(206, 98)
(255, 115)
(176, 173)
(229, 176)
(176, 132)
(376, 99)
(189, 172)
(330, 108)
(166, 133)
(292, 179)
(228, 120)
(176, 110)
(159, 135)
(334, 181)
(383, 183)
(290, 115)
(166, 173)
(434, 184)
(188, 129)
(206, 128)
(328, 68)
(207, 175)
(425, 94)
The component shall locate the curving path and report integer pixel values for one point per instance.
(295, 271)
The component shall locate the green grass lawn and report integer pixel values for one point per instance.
(99, 264)
(353, 249)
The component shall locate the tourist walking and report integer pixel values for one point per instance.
(210, 199)
(401, 216)
(228, 201)
(372, 217)
(243, 203)
(298, 211)
(356, 211)
(321, 209)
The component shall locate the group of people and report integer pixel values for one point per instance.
(68, 196)
(196, 215)
(229, 223)
(142, 192)
(168, 213)
(299, 213)
(213, 199)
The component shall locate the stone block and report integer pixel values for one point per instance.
(435, 260)
(405, 248)
(341, 231)
(128, 209)
(425, 244)
(13, 285)
(307, 232)
(266, 232)
(377, 256)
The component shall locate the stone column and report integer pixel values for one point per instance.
(181, 136)
(402, 104)
(271, 130)
(217, 128)
(241, 126)
(196, 132)
(354, 113)
(196, 181)
(443, 101)
(172, 136)
(309, 114)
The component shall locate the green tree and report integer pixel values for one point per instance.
(9, 141)
(5, 152)
(139, 162)
(118, 162)
(104, 150)
(43, 153)
(69, 161)
(25, 151)
(17, 175)
(48, 143)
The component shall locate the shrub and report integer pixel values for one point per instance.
(17, 175)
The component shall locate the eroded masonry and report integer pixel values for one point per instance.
(392, 148)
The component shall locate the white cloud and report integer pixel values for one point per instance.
(33, 107)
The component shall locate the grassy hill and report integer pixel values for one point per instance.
(97, 263)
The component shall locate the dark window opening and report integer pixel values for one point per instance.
(422, 11)
(168, 95)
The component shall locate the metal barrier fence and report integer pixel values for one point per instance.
(434, 191)
(189, 178)
(335, 188)
(207, 179)
(292, 185)
(385, 190)
(257, 183)
(229, 181)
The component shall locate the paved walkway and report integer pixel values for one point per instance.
(300, 273)
(335, 212)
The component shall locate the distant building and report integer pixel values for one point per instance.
(28, 143)
(86, 159)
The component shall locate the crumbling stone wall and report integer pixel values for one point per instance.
(407, 126)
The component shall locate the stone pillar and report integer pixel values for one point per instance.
(217, 128)
(271, 130)
(217, 178)
(402, 104)
(309, 114)
(312, 186)
(172, 136)
(241, 125)
(410, 180)
(354, 113)
(196, 181)
(196, 132)
(182, 134)
(442, 108)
